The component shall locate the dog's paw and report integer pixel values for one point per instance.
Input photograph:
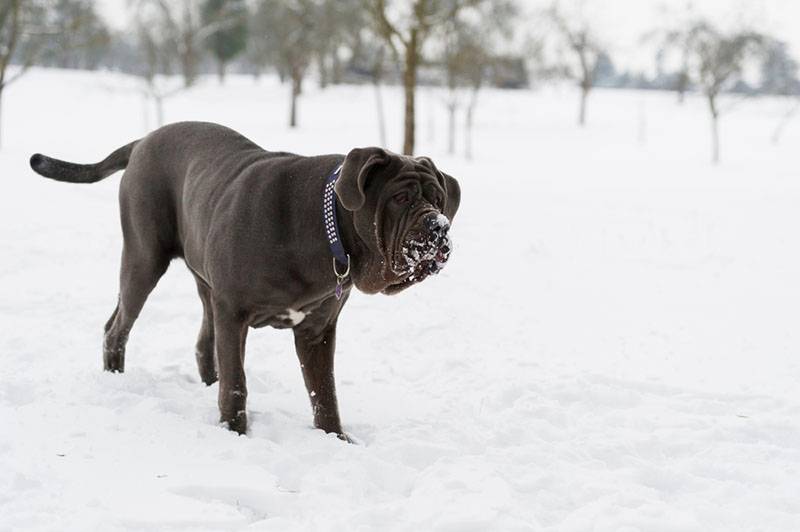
(348, 438)
(237, 423)
(114, 360)
(209, 378)
(338, 432)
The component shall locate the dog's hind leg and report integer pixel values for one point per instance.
(230, 335)
(204, 350)
(139, 274)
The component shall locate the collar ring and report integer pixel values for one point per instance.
(341, 276)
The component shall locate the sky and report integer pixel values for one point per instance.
(621, 23)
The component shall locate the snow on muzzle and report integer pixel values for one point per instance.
(426, 252)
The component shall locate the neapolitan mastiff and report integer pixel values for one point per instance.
(272, 238)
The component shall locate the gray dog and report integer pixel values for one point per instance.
(271, 238)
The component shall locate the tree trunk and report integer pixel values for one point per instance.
(297, 85)
(468, 125)
(451, 127)
(582, 112)
(10, 44)
(430, 132)
(159, 101)
(683, 76)
(776, 135)
(146, 112)
(336, 69)
(410, 86)
(221, 71)
(188, 61)
(381, 117)
(712, 107)
(683, 85)
(323, 71)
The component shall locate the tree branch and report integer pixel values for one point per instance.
(387, 29)
(11, 44)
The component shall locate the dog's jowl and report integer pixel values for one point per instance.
(271, 238)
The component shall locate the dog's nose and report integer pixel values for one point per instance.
(437, 223)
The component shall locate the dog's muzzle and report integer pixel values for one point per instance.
(426, 252)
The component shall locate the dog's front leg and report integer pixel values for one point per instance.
(230, 333)
(315, 350)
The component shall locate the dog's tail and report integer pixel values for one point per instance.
(82, 173)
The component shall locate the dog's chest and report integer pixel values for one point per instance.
(311, 311)
(282, 319)
(292, 317)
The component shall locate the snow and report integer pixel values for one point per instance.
(426, 250)
(612, 347)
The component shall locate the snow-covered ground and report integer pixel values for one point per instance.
(613, 347)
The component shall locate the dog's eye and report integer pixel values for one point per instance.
(402, 198)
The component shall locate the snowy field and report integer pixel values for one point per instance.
(614, 345)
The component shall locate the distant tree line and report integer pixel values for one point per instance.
(460, 45)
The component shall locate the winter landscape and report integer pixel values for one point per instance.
(612, 347)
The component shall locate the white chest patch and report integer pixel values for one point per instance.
(293, 316)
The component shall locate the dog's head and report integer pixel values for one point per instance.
(402, 210)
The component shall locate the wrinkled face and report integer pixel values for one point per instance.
(405, 208)
(413, 228)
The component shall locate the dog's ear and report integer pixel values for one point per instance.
(355, 170)
(451, 188)
(453, 191)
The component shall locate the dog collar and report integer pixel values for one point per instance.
(332, 231)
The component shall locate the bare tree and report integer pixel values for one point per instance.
(157, 54)
(372, 59)
(779, 75)
(377, 71)
(160, 52)
(466, 61)
(326, 41)
(779, 70)
(257, 55)
(285, 33)
(335, 18)
(22, 37)
(228, 36)
(674, 44)
(467, 55)
(11, 16)
(181, 22)
(580, 42)
(172, 33)
(786, 118)
(406, 26)
(79, 37)
(716, 62)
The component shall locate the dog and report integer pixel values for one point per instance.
(271, 238)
